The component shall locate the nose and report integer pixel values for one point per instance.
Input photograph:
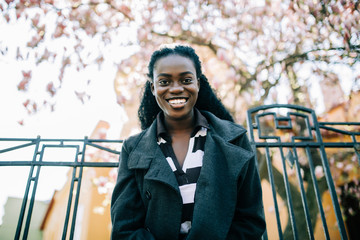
(176, 88)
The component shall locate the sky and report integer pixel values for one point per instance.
(71, 119)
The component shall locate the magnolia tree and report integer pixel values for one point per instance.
(251, 50)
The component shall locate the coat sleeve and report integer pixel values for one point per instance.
(127, 208)
(248, 222)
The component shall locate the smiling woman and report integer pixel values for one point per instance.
(191, 173)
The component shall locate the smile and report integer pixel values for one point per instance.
(177, 101)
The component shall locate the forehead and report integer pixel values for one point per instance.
(174, 63)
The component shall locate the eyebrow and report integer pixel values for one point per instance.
(169, 75)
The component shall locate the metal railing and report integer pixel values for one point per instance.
(273, 130)
(77, 164)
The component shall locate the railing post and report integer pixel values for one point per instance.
(77, 195)
(330, 181)
(25, 199)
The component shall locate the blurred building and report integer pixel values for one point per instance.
(93, 213)
(11, 216)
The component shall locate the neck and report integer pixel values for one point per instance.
(183, 126)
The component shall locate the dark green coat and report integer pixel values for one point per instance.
(146, 202)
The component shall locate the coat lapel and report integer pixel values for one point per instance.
(147, 155)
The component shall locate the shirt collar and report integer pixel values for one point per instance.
(200, 121)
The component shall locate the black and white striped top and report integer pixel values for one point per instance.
(188, 175)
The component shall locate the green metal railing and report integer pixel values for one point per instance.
(304, 138)
(77, 164)
(267, 127)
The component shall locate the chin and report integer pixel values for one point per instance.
(179, 114)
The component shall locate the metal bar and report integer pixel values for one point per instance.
(288, 195)
(32, 199)
(290, 106)
(103, 148)
(257, 144)
(69, 204)
(27, 189)
(31, 205)
(333, 195)
(23, 205)
(72, 230)
(59, 164)
(58, 140)
(339, 123)
(251, 132)
(19, 139)
(62, 145)
(330, 182)
(303, 197)
(357, 148)
(273, 190)
(16, 147)
(264, 236)
(103, 140)
(317, 194)
(339, 130)
(305, 144)
(73, 179)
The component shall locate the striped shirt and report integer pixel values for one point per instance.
(187, 175)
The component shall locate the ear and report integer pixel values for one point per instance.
(152, 88)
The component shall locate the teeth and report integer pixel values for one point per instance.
(177, 101)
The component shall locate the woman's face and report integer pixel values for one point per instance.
(175, 86)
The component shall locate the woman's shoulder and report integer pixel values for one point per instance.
(147, 134)
(132, 140)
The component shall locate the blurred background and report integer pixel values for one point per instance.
(76, 68)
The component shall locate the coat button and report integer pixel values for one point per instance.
(148, 194)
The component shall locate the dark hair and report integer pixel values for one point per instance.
(207, 99)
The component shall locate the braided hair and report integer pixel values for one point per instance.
(207, 99)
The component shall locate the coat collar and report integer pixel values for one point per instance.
(146, 150)
(147, 153)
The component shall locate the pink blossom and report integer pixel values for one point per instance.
(51, 89)
(36, 19)
(7, 17)
(348, 167)
(223, 56)
(319, 172)
(23, 85)
(339, 165)
(34, 41)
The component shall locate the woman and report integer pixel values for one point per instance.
(191, 173)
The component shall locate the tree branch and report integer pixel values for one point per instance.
(185, 37)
